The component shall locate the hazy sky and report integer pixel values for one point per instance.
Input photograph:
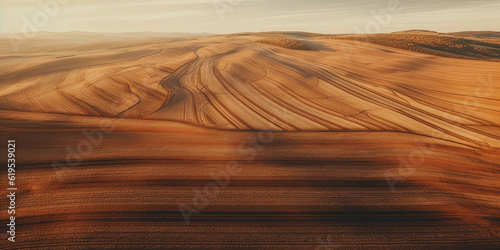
(230, 16)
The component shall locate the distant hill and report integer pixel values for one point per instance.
(478, 34)
(77, 40)
(416, 32)
(480, 45)
(467, 45)
(125, 35)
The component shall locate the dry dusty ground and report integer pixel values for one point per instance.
(360, 145)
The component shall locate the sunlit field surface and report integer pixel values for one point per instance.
(276, 140)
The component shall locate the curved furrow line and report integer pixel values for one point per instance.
(206, 78)
(435, 106)
(214, 73)
(415, 118)
(317, 106)
(418, 110)
(304, 114)
(226, 112)
(347, 125)
(249, 85)
(176, 74)
(85, 108)
(296, 110)
(398, 106)
(455, 112)
(253, 106)
(199, 85)
(339, 69)
(279, 101)
(171, 83)
(337, 126)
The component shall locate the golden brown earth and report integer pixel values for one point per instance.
(345, 144)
